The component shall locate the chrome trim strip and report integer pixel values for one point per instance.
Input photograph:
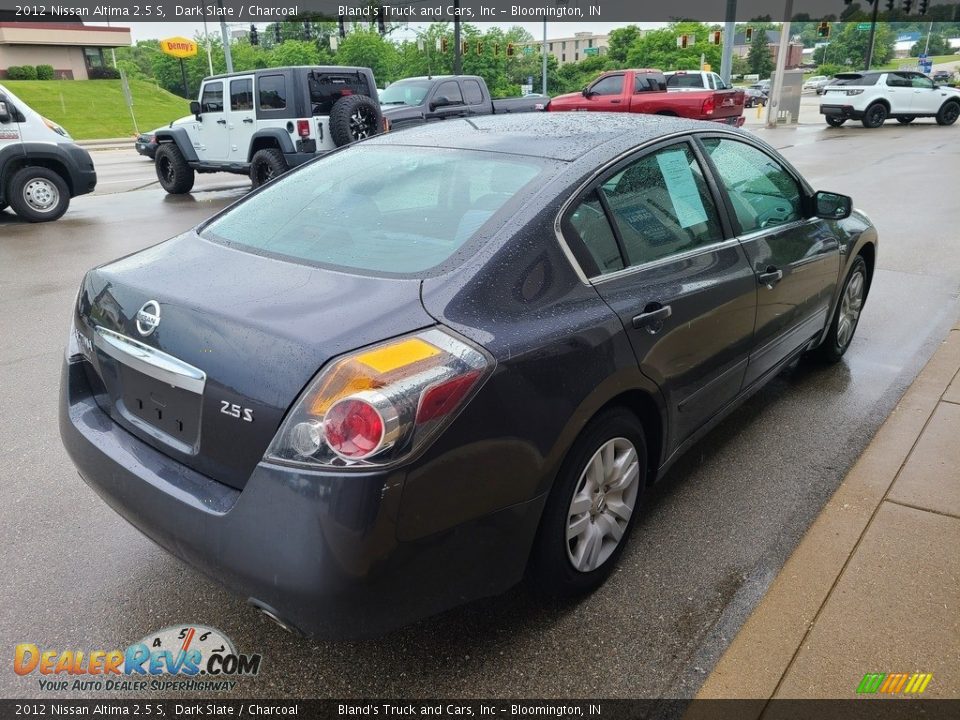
(150, 361)
(691, 253)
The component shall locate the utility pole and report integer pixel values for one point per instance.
(773, 109)
(544, 53)
(926, 47)
(206, 37)
(457, 50)
(226, 39)
(729, 30)
(873, 32)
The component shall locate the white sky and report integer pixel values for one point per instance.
(155, 30)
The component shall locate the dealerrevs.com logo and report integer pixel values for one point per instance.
(177, 658)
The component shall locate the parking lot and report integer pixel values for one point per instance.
(708, 544)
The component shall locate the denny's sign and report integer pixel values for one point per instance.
(178, 47)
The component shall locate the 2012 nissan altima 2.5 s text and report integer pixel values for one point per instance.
(409, 373)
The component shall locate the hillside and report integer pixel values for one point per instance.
(91, 109)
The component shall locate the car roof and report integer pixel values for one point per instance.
(274, 70)
(563, 136)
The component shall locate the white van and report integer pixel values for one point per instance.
(41, 167)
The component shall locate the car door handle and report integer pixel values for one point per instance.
(770, 277)
(248, 120)
(221, 122)
(652, 317)
(614, 102)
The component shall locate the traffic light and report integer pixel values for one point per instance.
(907, 4)
(254, 35)
(381, 25)
(509, 50)
(683, 41)
(890, 4)
(277, 37)
(496, 50)
(444, 44)
(748, 34)
(307, 30)
(823, 30)
(464, 47)
(479, 47)
(923, 7)
(716, 37)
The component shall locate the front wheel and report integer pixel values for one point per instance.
(847, 315)
(906, 120)
(875, 116)
(38, 194)
(834, 121)
(173, 172)
(948, 113)
(592, 507)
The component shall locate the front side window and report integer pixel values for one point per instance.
(272, 91)
(389, 210)
(661, 206)
(406, 92)
(241, 94)
(921, 81)
(610, 85)
(449, 90)
(212, 99)
(761, 190)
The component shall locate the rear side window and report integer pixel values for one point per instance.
(661, 206)
(761, 190)
(592, 226)
(644, 82)
(897, 80)
(241, 94)
(472, 92)
(610, 85)
(381, 209)
(212, 98)
(327, 88)
(272, 91)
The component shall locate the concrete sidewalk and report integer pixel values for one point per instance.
(874, 586)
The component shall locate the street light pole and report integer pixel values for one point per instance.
(873, 32)
(544, 53)
(729, 30)
(457, 54)
(206, 37)
(773, 109)
(226, 39)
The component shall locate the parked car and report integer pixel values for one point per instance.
(417, 100)
(146, 143)
(763, 85)
(753, 97)
(817, 83)
(261, 123)
(41, 167)
(872, 97)
(645, 91)
(399, 377)
(941, 76)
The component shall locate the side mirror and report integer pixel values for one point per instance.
(195, 108)
(587, 92)
(440, 102)
(832, 206)
(4, 112)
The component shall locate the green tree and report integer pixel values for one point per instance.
(659, 49)
(620, 41)
(294, 52)
(366, 48)
(938, 46)
(849, 45)
(759, 57)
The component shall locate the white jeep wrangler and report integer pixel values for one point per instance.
(264, 122)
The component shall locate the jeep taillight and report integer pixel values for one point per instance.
(382, 404)
(303, 128)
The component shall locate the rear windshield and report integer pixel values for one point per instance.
(684, 81)
(855, 79)
(382, 209)
(327, 88)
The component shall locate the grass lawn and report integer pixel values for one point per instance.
(91, 109)
(911, 62)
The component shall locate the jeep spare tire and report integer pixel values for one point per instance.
(353, 118)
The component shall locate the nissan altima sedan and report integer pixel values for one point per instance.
(408, 373)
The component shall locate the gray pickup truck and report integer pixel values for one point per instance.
(418, 100)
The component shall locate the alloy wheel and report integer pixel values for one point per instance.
(362, 123)
(41, 195)
(602, 504)
(850, 307)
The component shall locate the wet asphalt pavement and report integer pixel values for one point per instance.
(711, 539)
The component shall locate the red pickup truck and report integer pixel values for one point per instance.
(645, 91)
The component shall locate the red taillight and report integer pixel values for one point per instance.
(353, 428)
(709, 105)
(303, 128)
(443, 397)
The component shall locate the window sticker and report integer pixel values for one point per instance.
(677, 173)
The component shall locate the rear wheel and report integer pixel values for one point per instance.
(593, 505)
(38, 194)
(266, 165)
(175, 175)
(948, 113)
(875, 116)
(906, 120)
(834, 121)
(847, 315)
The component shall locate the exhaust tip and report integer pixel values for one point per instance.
(272, 614)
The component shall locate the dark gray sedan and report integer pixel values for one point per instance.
(408, 373)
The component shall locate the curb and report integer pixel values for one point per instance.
(761, 654)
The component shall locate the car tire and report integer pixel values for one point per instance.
(563, 564)
(874, 116)
(266, 165)
(38, 194)
(173, 172)
(906, 119)
(835, 121)
(949, 112)
(353, 118)
(847, 315)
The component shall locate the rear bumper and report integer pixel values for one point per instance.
(844, 111)
(319, 550)
(736, 121)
